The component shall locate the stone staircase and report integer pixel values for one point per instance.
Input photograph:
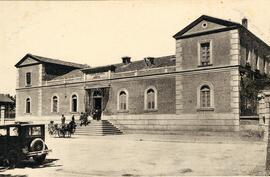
(98, 128)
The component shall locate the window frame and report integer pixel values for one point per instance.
(210, 41)
(52, 104)
(146, 99)
(118, 100)
(212, 104)
(26, 79)
(71, 103)
(26, 105)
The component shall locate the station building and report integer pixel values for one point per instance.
(197, 88)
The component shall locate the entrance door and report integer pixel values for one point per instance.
(97, 108)
(98, 103)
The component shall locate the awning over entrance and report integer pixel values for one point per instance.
(97, 97)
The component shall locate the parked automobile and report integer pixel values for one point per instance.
(22, 141)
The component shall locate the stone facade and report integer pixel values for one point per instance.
(186, 93)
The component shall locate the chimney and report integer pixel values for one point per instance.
(126, 60)
(151, 60)
(245, 22)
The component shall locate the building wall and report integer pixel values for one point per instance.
(221, 85)
(136, 87)
(220, 49)
(36, 72)
(21, 96)
(248, 46)
(64, 94)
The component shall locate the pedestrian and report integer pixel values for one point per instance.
(63, 120)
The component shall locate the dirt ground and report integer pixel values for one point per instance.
(146, 155)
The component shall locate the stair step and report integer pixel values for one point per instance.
(98, 128)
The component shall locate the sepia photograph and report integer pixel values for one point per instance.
(134, 88)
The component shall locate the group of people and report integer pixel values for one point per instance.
(71, 125)
(96, 114)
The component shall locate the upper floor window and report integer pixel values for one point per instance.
(74, 103)
(28, 105)
(248, 54)
(123, 101)
(205, 55)
(265, 66)
(28, 78)
(151, 99)
(54, 104)
(257, 66)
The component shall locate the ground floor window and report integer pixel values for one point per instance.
(55, 104)
(28, 105)
(205, 96)
(123, 101)
(151, 98)
(74, 103)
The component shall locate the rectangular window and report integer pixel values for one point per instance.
(3, 132)
(34, 131)
(13, 131)
(256, 59)
(28, 79)
(205, 53)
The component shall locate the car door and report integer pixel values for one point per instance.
(3, 141)
(13, 138)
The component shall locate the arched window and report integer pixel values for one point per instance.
(74, 103)
(122, 101)
(205, 96)
(150, 99)
(54, 104)
(28, 105)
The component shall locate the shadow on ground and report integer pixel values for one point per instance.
(13, 175)
(31, 164)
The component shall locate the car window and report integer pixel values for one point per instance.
(3, 132)
(13, 131)
(34, 131)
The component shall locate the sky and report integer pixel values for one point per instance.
(101, 32)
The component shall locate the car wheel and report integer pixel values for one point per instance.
(37, 145)
(13, 158)
(41, 158)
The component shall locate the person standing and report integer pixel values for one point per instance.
(63, 119)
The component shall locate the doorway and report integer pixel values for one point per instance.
(98, 103)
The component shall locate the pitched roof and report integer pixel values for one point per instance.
(144, 64)
(5, 99)
(226, 23)
(207, 18)
(71, 74)
(135, 65)
(50, 60)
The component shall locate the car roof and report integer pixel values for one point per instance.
(20, 125)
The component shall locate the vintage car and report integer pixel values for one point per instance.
(21, 141)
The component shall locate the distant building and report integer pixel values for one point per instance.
(198, 88)
(5, 107)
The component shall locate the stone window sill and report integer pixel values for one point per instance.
(28, 85)
(122, 111)
(205, 65)
(206, 109)
(150, 110)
